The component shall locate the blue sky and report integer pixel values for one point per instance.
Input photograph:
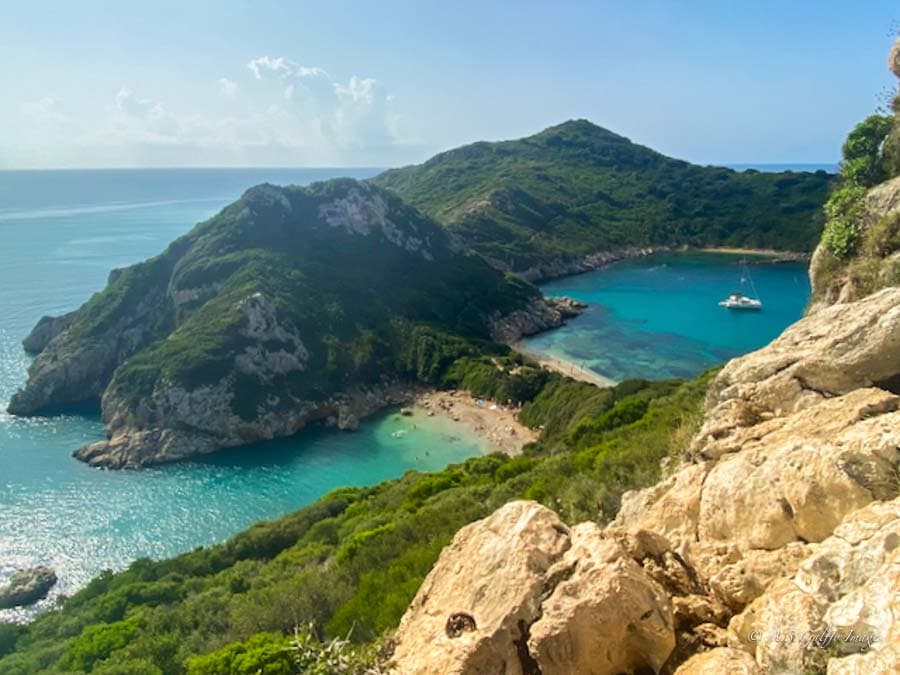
(384, 83)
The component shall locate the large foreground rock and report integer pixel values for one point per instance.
(520, 593)
(26, 587)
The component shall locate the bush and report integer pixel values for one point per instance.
(263, 654)
(97, 643)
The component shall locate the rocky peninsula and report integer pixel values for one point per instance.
(291, 306)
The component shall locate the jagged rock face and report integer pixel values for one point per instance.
(292, 305)
(520, 593)
(47, 328)
(826, 354)
(365, 210)
(789, 511)
(848, 582)
(539, 315)
(474, 610)
(607, 615)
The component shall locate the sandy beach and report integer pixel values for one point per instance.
(759, 252)
(564, 367)
(495, 423)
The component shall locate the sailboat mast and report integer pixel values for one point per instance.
(750, 279)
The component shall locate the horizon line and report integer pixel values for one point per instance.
(354, 167)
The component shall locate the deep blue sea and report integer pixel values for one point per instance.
(658, 317)
(60, 234)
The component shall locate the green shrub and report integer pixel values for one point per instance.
(97, 643)
(261, 654)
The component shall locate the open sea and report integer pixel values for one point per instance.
(62, 231)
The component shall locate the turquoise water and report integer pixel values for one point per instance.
(658, 317)
(61, 233)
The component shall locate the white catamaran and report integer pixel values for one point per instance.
(739, 299)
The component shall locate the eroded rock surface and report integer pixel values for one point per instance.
(784, 518)
(521, 593)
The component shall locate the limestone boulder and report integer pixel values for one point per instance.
(840, 611)
(520, 593)
(797, 477)
(606, 616)
(718, 661)
(473, 611)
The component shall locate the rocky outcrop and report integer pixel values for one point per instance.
(563, 267)
(521, 593)
(26, 587)
(75, 366)
(539, 315)
(772, 549)
(871, 259)
(203, 420)
(832, 352)
(47, 328)
(881, 268)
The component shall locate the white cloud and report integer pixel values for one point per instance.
(282, 67)
(303, 71)
(46, 109)
(227, 87)
(279, 66)
(128, 103)
(359, 89)
(288, 114)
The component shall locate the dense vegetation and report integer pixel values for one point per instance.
(857, 253)
(350, 563)
(576, 188)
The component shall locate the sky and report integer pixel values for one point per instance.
(234, 83)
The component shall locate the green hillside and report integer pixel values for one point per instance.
(576, 188)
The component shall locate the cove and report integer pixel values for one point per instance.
(658, 317)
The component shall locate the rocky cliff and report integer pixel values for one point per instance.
(291, 305)
(773, 547)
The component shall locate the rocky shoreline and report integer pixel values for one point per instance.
(589, 263)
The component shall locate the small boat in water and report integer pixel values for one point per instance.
(739, 299)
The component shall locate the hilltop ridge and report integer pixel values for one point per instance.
(575, 195)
